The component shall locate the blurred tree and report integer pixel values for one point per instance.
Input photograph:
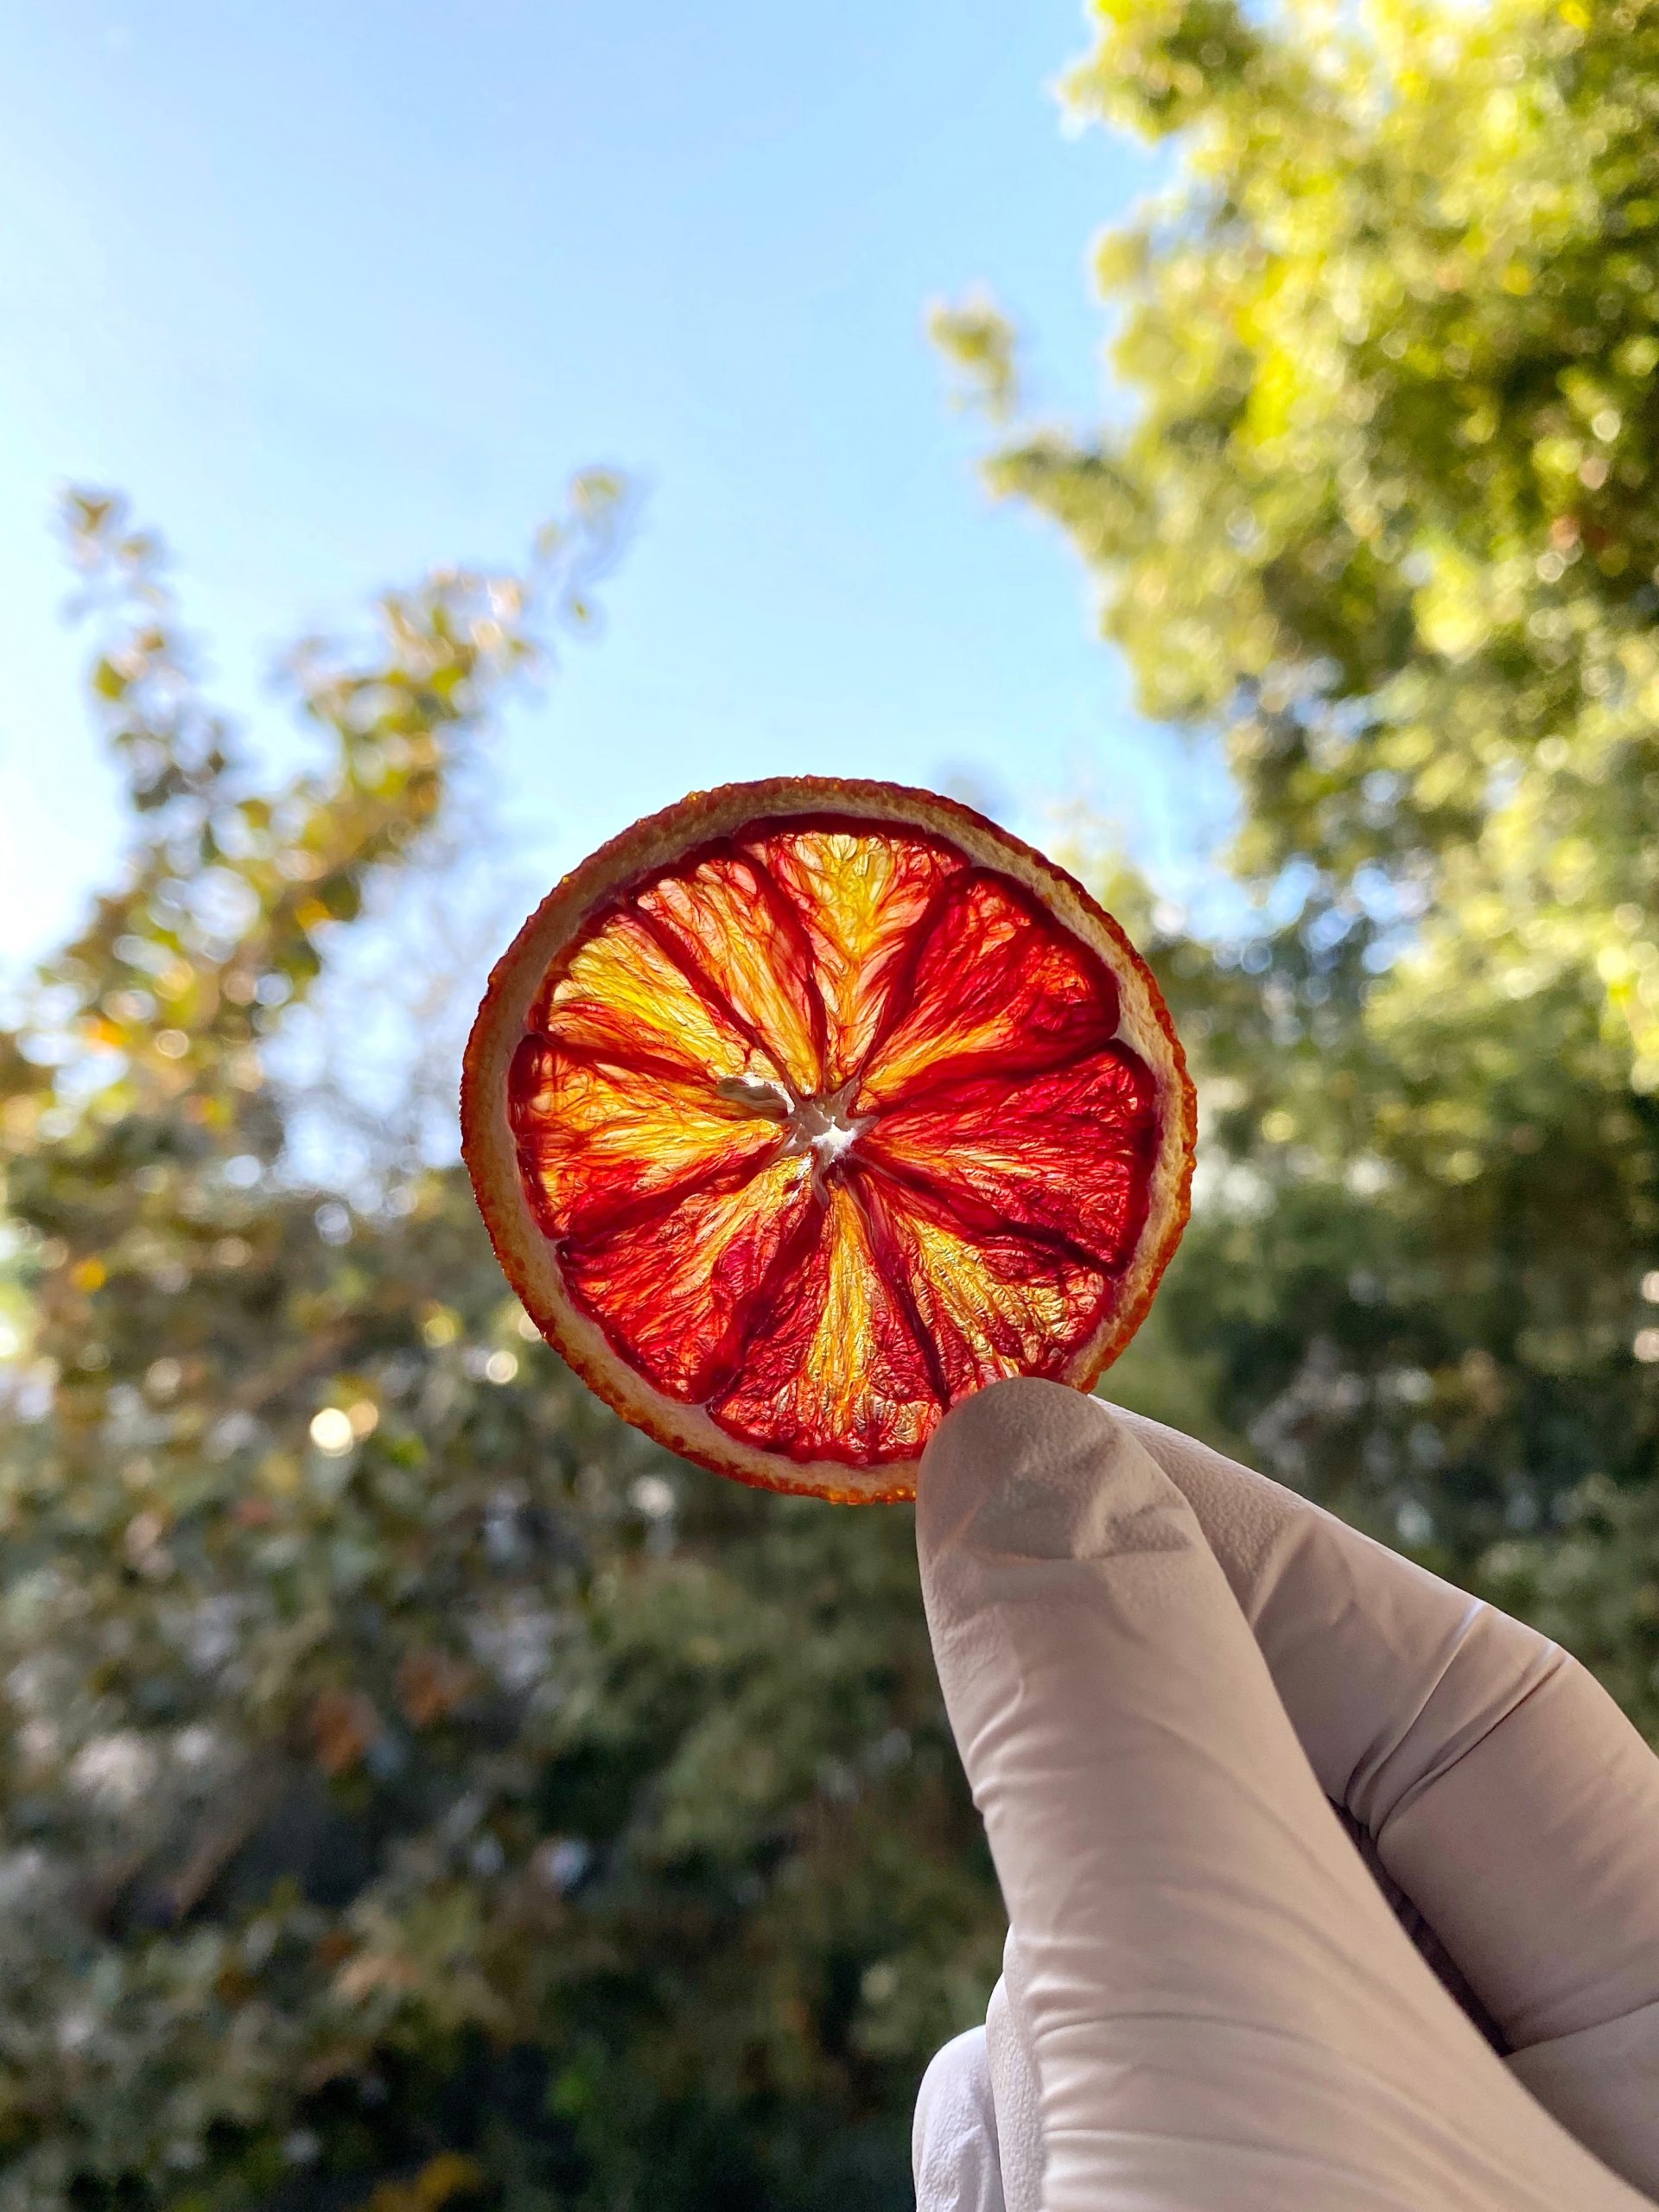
(415, 1788)
(1382, 525)
(418, 1789)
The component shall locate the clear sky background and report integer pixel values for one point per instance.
(342, 288)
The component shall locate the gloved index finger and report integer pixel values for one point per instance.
(1505, 1791)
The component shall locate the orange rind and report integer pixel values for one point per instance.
(806, 1107)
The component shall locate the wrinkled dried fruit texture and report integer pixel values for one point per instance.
(831, 1127)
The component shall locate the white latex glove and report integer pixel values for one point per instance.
(1163, 1671)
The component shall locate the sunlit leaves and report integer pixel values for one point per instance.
(1381, 523)
(1397, 392)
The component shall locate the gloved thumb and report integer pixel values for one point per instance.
(1219, 2006)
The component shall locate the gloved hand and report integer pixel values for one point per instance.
(1164, 1673)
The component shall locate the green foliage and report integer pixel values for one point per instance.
(416, 1788)
(1383, 526)
(419, 1790)
(981, 344)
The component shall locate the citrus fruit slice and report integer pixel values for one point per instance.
(806, 1107)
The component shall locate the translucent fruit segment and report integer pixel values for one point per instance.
(594, 1137)
(1065, 1154)
(988, 1303)
(743, 939)
(861, 899)
(683, 1288)
(994, 984)
(831, 1127)
(622, 997)
(833, 1371)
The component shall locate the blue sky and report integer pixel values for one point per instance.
(337, 292)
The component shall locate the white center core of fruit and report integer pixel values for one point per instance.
(819, 1123)
(820, 1126)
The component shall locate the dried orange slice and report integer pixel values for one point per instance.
(806, 1107)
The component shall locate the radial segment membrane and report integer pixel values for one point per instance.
(594, 1138)
(988, 1304)
(735, 929)
(833, 1370)
(992, 983)
(861, 897)
(623, 997)
(679, 1291)
(1065, 1154)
